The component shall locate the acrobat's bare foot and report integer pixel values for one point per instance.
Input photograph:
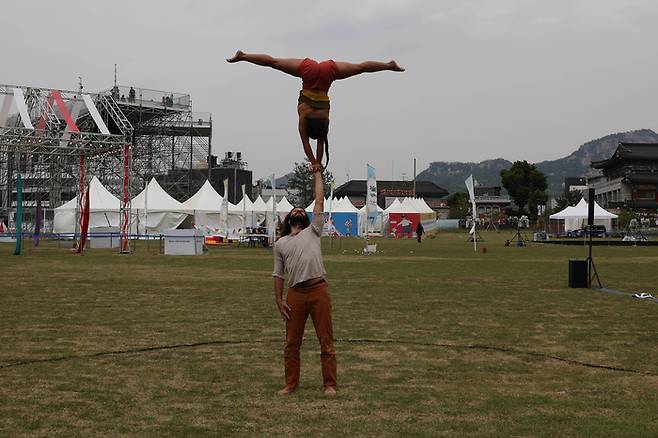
(394, 66)
(239, 56)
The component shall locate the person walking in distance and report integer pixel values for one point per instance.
(419, 231)
(313, 103)
(299, 255)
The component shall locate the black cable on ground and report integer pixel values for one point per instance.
(506, 350)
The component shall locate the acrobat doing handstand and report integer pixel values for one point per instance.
(313, 103)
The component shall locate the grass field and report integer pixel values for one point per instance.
(432, 340)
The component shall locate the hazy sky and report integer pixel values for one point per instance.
(525, 79)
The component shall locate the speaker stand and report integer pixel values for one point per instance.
(591, 273)
(591, 267)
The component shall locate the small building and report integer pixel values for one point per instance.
(183, 183)
(387, 191)
(491, 203)
(575, 184)
(629, 178)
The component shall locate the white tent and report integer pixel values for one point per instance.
(284, 206)
(154, 210)
(103, 210)
(311, 206)
(422, 206)
(345, 206)
(380, 219)
(409, 205)
(206, 205)
(576, 217)
(395, 207)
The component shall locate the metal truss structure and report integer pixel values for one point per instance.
(148, 134)
(169, 139)
(48, 153)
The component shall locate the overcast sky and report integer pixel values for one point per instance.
(526, 79)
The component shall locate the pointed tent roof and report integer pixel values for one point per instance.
(238, 207)
(344, 206)
(260, 206)
(409, 206)
(206, 199)
(311, 206)
(100, 199)
(363, 209)
(158, 200)
(395, 207)
(581, 211)
(421, 205)
(284, 205)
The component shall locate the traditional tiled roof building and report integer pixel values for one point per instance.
(629, 178)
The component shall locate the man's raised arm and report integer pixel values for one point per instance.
(319, 193)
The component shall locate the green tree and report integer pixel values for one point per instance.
(526, 185)
(570, 198)
(458, 203)
(301, 182)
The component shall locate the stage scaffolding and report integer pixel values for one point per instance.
(148, 134)
(48, 152)
(169, 139)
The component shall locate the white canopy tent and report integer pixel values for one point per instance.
(236, 212)
(154, 210)
(206, 205)
(284, 206)
(380, 219)
(104, 210)
(576, 217)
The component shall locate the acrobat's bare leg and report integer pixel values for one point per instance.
(286, 65)
(347, 69)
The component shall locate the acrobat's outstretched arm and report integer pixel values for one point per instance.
(286, 65)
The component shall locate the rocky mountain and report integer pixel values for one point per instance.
(282, 182)
(451, 175)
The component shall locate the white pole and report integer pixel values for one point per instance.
(244, 212)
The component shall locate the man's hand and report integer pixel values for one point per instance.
(317, 167)
(284, 309)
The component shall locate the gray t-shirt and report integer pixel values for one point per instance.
(300, 255)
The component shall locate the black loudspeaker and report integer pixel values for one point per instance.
(577, 273)
(590, 208)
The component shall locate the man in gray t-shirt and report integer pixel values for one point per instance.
(299, 254)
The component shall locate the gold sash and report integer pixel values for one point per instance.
(314, 98)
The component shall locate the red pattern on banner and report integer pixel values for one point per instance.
(56, 96)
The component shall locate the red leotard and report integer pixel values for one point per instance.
(317, 76)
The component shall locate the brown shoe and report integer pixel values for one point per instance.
(329, 391)
(286, 391)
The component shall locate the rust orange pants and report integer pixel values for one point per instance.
(314, 301)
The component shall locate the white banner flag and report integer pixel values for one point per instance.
(371, 199)
(224, 211)
(274, 217)
(471, 194)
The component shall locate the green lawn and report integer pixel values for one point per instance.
(432, 340)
